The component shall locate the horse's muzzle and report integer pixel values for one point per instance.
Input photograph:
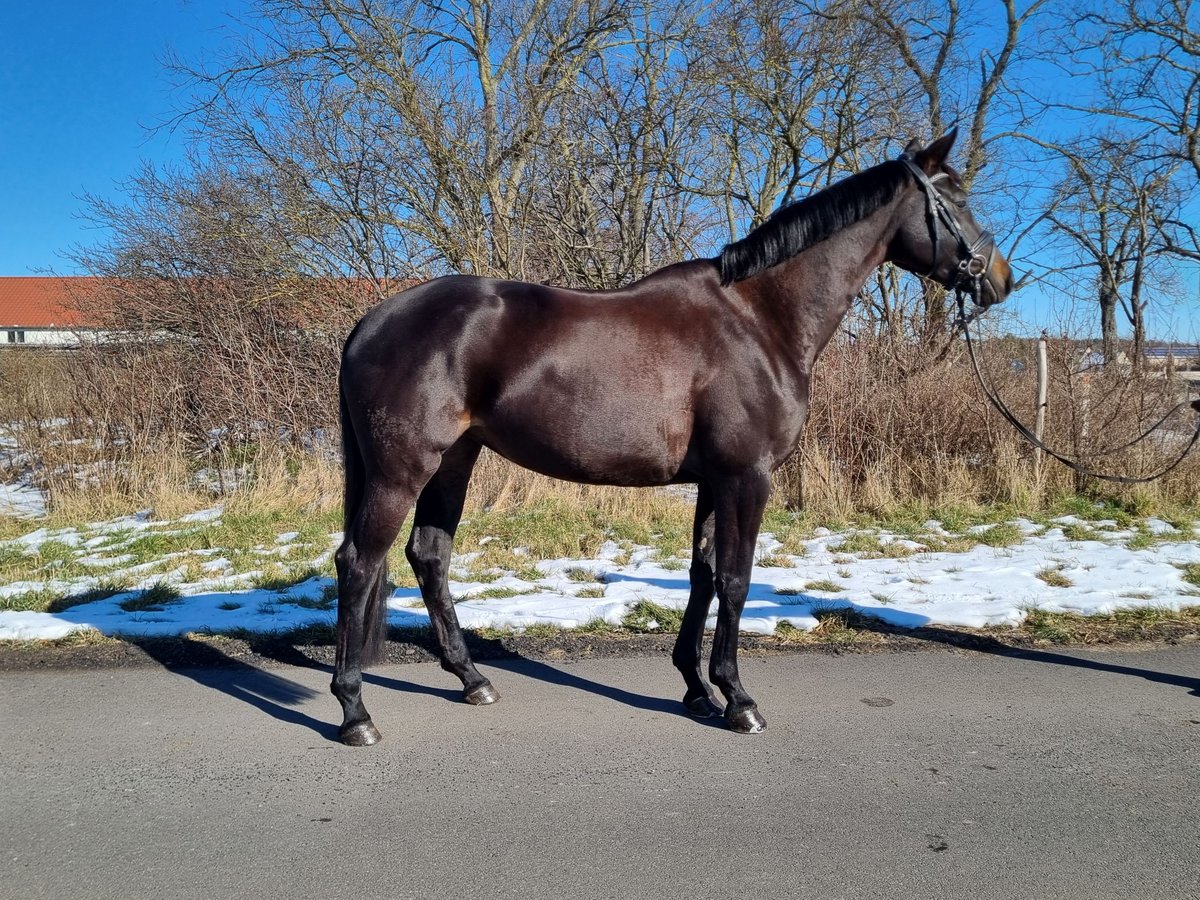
(997, 283)
(987, 278)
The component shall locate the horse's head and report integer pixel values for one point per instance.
(938, 237)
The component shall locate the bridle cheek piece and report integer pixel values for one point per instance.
(975, 258)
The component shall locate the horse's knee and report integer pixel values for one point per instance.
(732, 588)
(414, 550)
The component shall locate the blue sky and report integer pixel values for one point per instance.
(80, 82)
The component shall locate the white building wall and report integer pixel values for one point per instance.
(37, 337)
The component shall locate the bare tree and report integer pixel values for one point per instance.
(413, 124)
(1113, 207)
(799, 95)
(221, 330)
(611, 194)
(1145, 55)
(955, 74)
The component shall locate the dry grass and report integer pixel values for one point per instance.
(1128, 625)
(1055, 578)
(890, 437)
(888, 428)
(169, 484)
(501, 488)
(646, 616)
(839, 628)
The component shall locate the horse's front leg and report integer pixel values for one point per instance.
(698, 699)
(739, 504)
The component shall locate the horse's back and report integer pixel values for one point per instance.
(485, 323)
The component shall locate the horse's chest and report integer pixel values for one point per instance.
(754, 420)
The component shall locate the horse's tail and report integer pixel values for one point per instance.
(354, 468)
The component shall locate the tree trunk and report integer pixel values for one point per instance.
(1108, 322)
(933, 296)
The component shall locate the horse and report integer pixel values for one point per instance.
(699, 374)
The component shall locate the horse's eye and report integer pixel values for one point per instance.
(961, 204)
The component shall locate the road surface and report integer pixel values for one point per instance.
(910, 775)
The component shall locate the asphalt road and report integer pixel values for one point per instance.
(924, 775)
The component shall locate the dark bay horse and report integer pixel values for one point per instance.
(699, 374)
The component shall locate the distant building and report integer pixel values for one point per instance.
(1181, 355)
(39, 312)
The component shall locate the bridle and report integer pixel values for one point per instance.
(973, 262)
(974, 258)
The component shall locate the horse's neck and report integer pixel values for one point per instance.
(809, 294)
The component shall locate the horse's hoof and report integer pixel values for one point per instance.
(745, 720)
(360, 734)
(702, 707)
(482, 695)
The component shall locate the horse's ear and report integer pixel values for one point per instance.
(931, 158)
(913, 146)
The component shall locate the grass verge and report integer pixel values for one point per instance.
(1145, 623)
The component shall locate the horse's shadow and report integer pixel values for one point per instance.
(277, 696)
(987, 644)
(536, 669)
(263, 689)
(898, 623)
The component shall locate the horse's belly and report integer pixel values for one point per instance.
(590, 406)
(599, 447)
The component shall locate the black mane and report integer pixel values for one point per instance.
(799, 225)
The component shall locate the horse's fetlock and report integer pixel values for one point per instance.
(455, 661)
(344, 685)
(723, 673)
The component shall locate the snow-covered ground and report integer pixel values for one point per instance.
(982, 586)
(22, 501)
(19, 498)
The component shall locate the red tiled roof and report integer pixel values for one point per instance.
(52, 302)
(41, 302)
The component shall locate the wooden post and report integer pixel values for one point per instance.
(1039, 427)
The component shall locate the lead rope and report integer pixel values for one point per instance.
(964, 322)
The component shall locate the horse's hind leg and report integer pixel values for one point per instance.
(362, 602)
(686, 656)
(439, 509)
